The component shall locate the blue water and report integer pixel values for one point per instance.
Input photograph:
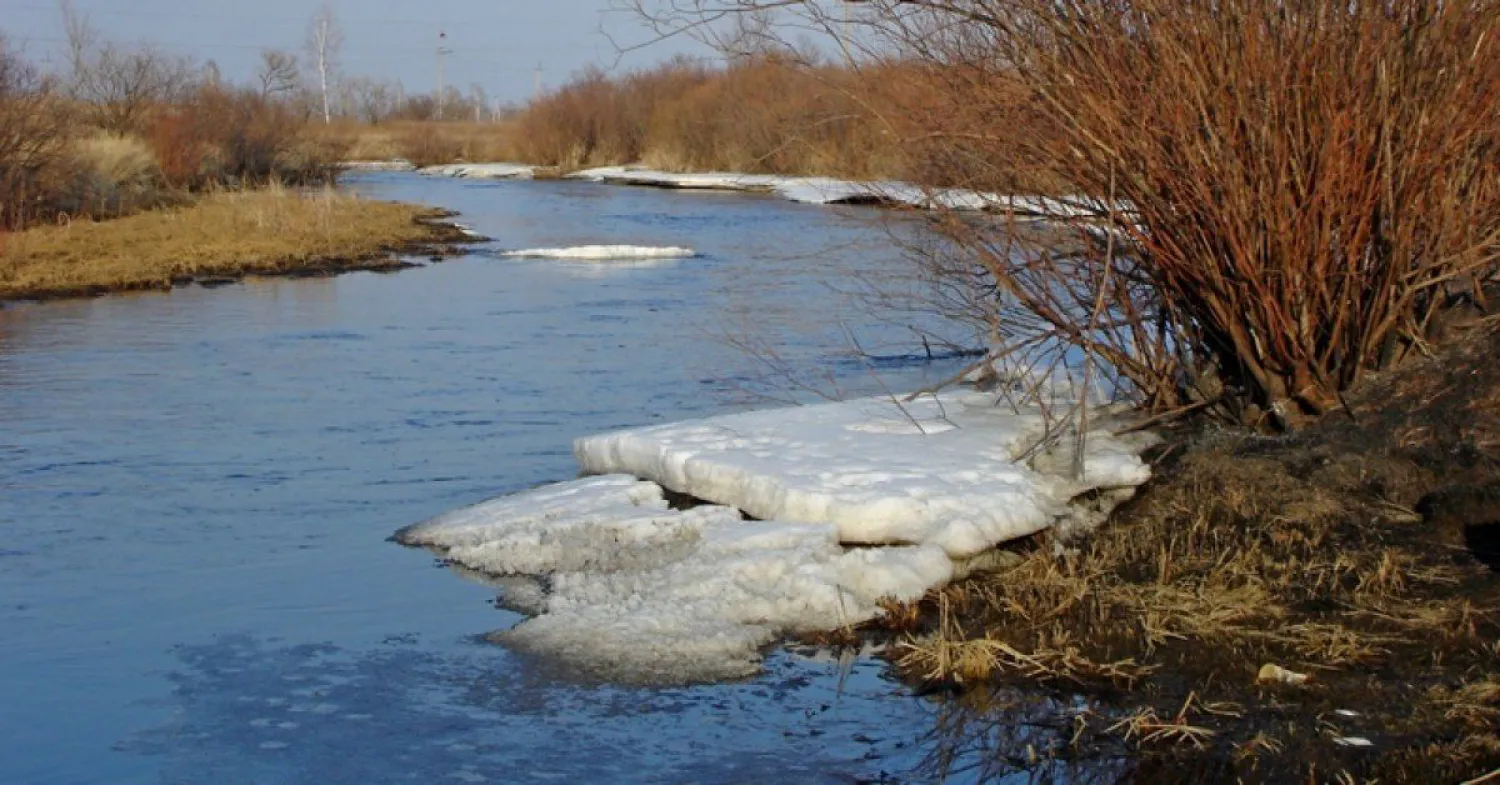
(196, 487)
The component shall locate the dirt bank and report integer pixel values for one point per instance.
(1356, 556)
(219, 239)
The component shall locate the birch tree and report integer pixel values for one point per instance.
(324, 40)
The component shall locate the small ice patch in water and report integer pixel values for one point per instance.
(599, 253)
(640, 592)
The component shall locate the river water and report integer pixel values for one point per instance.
(196, 487)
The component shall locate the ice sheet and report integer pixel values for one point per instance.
(394, 165)
(828, 190)
(631, 590)
(495, 171)
(603, 252)
(944, 470)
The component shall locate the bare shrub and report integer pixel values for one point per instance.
(1290, 190)
(34, 136)
(1271, 199)
(239, 137)
(118, 87)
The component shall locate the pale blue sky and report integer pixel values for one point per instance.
(496, 43)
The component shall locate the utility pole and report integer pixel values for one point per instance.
(442, 52)
(536, 81)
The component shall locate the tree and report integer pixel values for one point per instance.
(117, 85)
(324, 40)
(34, 136)
(279, 73)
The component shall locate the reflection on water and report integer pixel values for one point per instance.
(403, 711)
(1005, 735)
(196, 487)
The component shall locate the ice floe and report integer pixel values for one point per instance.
(945, 470)
(603, 252)
(858, 501)
(498, 171)
(394, 165)
(635, 591)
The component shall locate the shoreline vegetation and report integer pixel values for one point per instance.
(220, 238)
(1320, 606)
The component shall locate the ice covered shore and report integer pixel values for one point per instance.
(812, 516)
(829, 190)
(806, 190)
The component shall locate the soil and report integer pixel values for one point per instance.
(1359, 555)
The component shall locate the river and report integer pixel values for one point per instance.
(196, 488)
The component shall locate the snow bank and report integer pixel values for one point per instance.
(636, 591)
(483, 171)
(943, 470)
(603, 252)
(830, 191)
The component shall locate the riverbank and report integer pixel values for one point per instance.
(219, 238)
(1318, 607)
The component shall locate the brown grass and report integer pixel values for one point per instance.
(233, 234)
(427, 143)
(1302, 552)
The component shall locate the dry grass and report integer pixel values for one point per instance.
(427, 143)
(761, 114)
(264, 232)
(1235, 553)
(1248, 551)
(1305, 552)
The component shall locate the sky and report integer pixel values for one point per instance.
(497, 44)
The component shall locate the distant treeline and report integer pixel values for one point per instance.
(766, 113)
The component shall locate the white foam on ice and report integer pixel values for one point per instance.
(947, 470)
(495, 171)
(635, 591)
(599, 253)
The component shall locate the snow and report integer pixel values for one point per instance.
(828, 191)
(620, 585)
(496, 171)
(603, 252)
(394, 165)
(805, 190)
(943, 470)
(635, 591)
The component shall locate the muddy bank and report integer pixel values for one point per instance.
(1355, 559)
